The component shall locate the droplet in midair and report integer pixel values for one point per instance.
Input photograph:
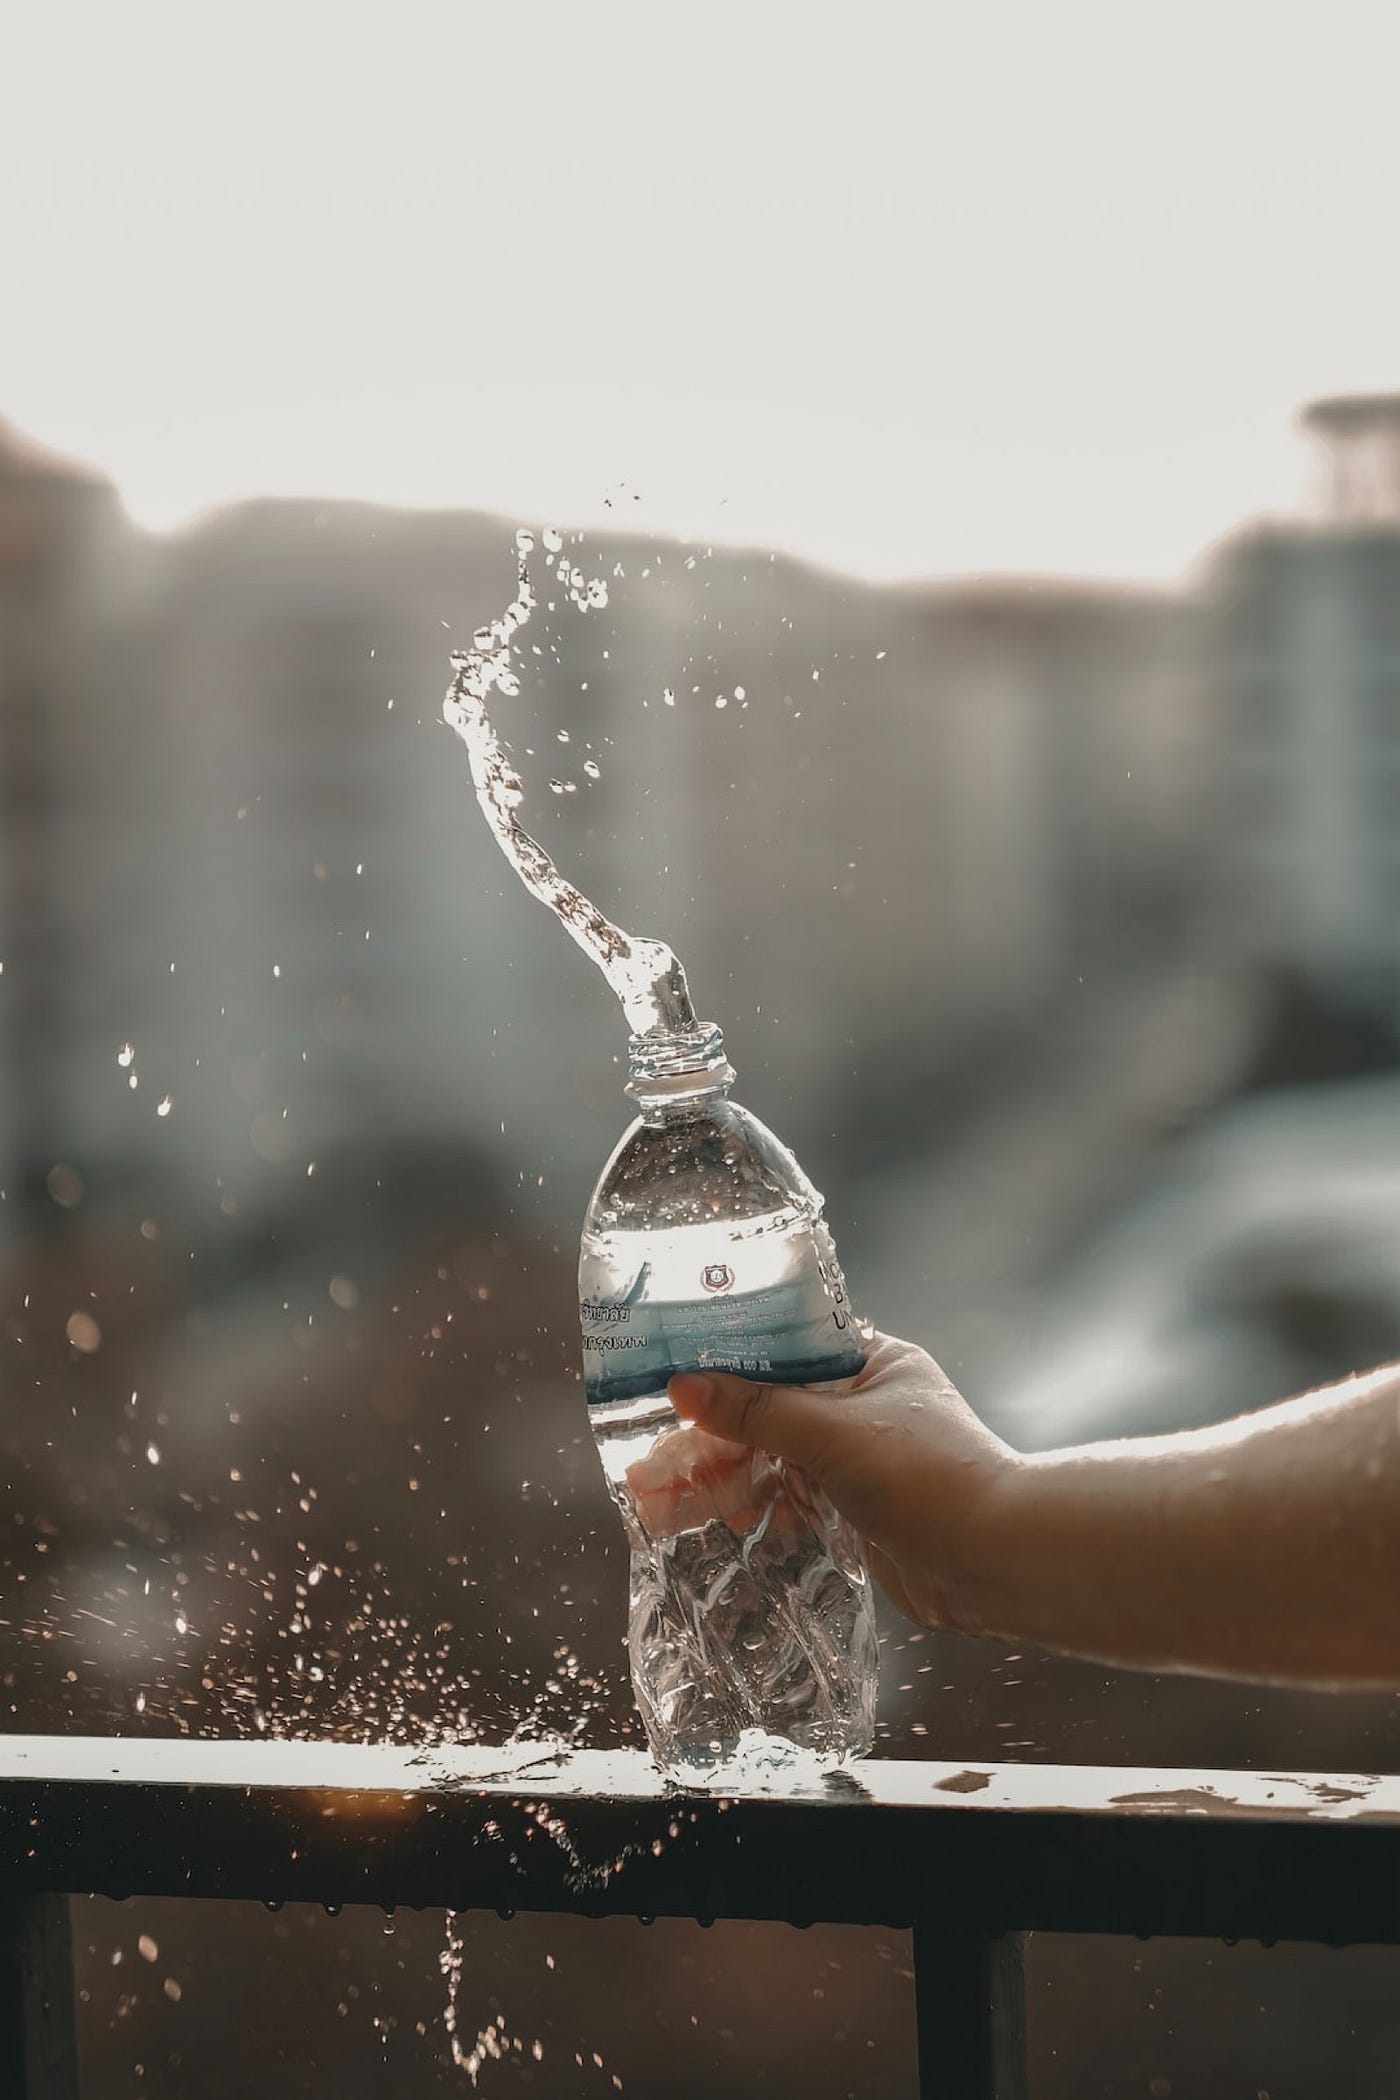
(592, 768)
(125, 1055)
(553, 539)
(524, 541)
(83, 1333)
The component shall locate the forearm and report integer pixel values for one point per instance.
(1267, 1548)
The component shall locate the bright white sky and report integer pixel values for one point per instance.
(903, 285)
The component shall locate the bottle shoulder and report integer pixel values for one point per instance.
(712, 1161)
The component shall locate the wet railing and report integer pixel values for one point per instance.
(969, 1859)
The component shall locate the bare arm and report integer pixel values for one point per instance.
(1267, 1547)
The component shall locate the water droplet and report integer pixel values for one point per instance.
(147, 1948)
(125, 1055)
(553, 539)
(721, 699)
(153, 1454)
(524, 541)
(84, 1333)
(163, 1106)
(65, 1186)
(592, 768)
(561, 736)
(739, 693)
(669, 697)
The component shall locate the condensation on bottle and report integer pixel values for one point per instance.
(751, 1629)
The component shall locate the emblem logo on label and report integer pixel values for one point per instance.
(716, 1276)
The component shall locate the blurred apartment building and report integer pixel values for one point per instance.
(887, 829)
(1256, 1257)
(73, 881)
(1307, 659)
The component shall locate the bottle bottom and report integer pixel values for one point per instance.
(754, 1763)
(752, 1629)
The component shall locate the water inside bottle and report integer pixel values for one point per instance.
(751, 1636)
(751, 1629)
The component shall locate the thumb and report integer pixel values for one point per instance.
(787, 1420)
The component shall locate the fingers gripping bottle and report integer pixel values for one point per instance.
(752, 1628)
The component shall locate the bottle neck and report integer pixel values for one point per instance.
(669, 1070)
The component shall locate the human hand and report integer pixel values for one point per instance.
(900, 1455)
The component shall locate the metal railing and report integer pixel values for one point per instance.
(969, 1858)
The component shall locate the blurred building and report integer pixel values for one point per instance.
(1307, 656)
(321, 946)
(1254, 1259)
(71, 780)
(892, 833)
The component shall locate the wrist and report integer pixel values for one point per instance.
(990, 1590)
(1060, 1544)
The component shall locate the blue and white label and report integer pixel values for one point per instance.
(792, 1333)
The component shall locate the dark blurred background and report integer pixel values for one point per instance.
(1054, 925)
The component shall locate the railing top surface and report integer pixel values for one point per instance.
(547, 1772)
(1072, 1848)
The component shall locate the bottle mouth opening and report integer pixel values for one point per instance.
(690, 1061)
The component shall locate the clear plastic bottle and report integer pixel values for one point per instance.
(752, 1629)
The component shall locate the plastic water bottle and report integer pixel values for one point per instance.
(752, 1629)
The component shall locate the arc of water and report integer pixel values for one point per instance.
(644, 974)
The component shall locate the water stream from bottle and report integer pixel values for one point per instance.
(644, 974)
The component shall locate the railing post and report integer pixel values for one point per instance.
(38, 2038)
(970, 1997)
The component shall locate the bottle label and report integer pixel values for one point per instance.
(793, 1333)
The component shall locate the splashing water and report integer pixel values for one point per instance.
(492, 2044)
(643, 973)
